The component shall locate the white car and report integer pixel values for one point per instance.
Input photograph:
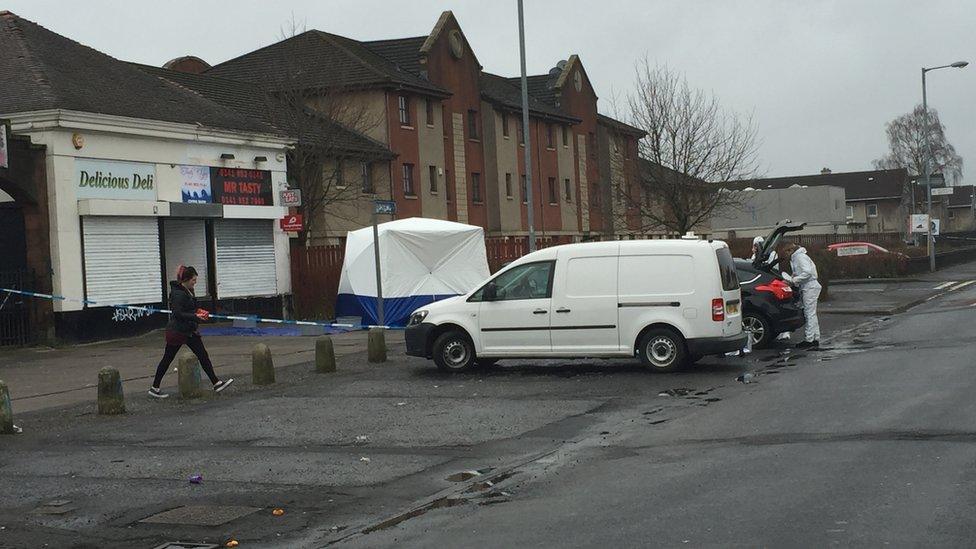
(669, 302)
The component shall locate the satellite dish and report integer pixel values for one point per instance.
(561, 65)
(554, 72)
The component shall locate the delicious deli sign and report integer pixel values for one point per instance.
(115, 180)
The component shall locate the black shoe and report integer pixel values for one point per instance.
(221, 385)
(808, 345)
(156, 393)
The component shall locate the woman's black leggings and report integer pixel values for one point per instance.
(195, 343)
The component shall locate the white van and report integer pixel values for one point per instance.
(669, 302)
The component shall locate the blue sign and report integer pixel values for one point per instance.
(384, 207)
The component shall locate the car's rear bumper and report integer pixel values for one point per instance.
(705, 346)
(416, 338)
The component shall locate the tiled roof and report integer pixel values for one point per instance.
(500, 91)
(539, 87)
(857, 185)
(316, 59)
(619, 126)
(41, 70)
(403, 52)
(248, 99)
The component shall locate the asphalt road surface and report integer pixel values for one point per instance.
(869, 442)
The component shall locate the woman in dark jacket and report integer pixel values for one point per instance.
(182, 329)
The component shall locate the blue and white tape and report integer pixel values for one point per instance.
(152, 310)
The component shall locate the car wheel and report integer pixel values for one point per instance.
(662, 350)
(760, 328)
(453, 352)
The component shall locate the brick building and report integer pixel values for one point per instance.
(447, 137)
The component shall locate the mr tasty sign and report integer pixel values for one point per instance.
(115, 180)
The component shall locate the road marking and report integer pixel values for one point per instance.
(961, 286)
(945, 285)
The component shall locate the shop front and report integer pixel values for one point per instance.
(126, 211)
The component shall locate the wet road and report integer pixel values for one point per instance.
(869, 442)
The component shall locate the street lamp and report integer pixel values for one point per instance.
(928, 155)
(525, 131)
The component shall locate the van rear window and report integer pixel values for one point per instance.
(726, 266)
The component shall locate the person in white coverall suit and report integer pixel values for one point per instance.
(771, 261)
(805, 278)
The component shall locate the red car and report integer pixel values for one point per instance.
(860, 248)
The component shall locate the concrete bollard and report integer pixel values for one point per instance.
(190, 376)
(262, 368)
(376, 345)
(110, 399)
(6, 411)
(325, 361)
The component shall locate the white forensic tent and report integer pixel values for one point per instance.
(421, 261)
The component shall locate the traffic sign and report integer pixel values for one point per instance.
(291, 223)
(291, 197)
(384, 207)
(942, 191)
(920, 223)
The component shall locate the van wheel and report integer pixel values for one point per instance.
(453, 352)
(662, 350)
(759, 327)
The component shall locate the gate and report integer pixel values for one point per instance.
(15, 310)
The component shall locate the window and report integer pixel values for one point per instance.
(520, 131)
(430, 112)
(552, 190)
(408, 180)
(850, 212)
(476, 188)
(366, 173)
(591, 144)
(404, 110)
(340, 181)
(627, 150)
(726, 266)
(872, 210)
(568, 189)
(505, 124)
(525, 190)
(595, 196)
(448, 184)
(432, 177)
(508, 185)
(529, 281)
(549, 137)
(565, 136)
(952, 214)
(472, 124)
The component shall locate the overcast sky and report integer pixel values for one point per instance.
(822, 77)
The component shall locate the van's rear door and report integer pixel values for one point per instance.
(731, 293)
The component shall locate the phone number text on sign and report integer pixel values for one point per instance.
(241, 187)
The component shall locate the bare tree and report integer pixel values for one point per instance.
(693, 148)
(324, 120)
(906, 144)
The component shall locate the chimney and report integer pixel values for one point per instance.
(825, 171)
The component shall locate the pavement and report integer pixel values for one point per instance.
(862, 443)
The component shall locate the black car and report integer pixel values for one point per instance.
(770, 306)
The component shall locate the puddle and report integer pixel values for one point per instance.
(680, 392)
(713, 399)
(442, 503)
(658, 422)
(463, 476)
(652, 412)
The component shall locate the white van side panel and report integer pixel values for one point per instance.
(668, 288)
(584, 303)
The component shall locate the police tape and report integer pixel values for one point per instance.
(152, 310)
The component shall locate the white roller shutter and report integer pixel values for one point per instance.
(122, 262)
(245, 258)
(185, 242)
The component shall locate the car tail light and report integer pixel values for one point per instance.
(718, 309)
(778, 288)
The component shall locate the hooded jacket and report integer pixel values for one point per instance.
(804, 270)
(183, 303)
